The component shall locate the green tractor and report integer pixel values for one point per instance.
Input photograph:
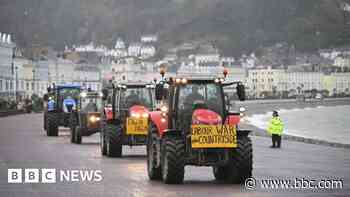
(61, 101)
(85, 121)
(125, 121)
(194, 126)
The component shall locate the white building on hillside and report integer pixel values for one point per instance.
(206, 54)
(227, 61)
(149, 38)
(119, 44)
(134, 49)
(147, 51)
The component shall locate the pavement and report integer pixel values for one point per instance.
(24, 144)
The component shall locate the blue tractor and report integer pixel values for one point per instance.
(61, 101)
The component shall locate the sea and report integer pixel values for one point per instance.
(328, 123)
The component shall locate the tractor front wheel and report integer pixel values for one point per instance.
(77, 135)
(73, 128)
(103, 142)
(153, 168)
(173, 160)
(114, 140)
(220, 173)
(51, 124)
(241, 164)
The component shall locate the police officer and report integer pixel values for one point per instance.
(275, 129)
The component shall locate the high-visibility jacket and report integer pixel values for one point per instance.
(275, 126)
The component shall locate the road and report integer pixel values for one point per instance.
(23, 144)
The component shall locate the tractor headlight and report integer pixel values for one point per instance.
(164, 109)
(144, 115)
(83, 94)
(135, 115)
(94, 119)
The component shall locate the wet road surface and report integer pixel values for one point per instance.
(24, 144)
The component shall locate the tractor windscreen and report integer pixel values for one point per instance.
(136, 96)
(201, 95)
(68, 94)
(91, 104)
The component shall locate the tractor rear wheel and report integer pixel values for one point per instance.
(153, 168)
(114, 143)
(173, 160)
(51, 124)
(241, 164)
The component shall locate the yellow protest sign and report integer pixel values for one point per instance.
(213, 136)
(136, 126)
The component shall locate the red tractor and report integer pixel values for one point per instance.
(125, 117)
(193, 126)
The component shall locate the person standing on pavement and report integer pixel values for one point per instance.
(275, 129)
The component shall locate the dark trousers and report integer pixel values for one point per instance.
(276, 140)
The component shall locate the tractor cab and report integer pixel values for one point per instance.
(61, 101)
(194, 126)
(85, 121)
(134, 100)
(63, 98)
(126, 118)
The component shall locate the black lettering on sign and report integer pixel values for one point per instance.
(201, 131)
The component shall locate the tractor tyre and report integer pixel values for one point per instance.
(77, 135)
(73, 128)
(51, 124)
(220, 173)
(114, 143)
(173, 160)
(103, 141)
(241, 164)
(45, 120)
(154, 171)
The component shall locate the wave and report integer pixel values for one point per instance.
(324, 119)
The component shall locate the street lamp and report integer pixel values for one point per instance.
(13, 74)
(33, 84)
(16, 84)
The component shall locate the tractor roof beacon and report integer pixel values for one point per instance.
(125, 117)
(60, 101)
(194, 127)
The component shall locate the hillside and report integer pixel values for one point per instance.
(234, 25)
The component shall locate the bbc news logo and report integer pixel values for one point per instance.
(49, 175)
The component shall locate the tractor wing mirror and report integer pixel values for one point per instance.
(104, 94)
(240, 89)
